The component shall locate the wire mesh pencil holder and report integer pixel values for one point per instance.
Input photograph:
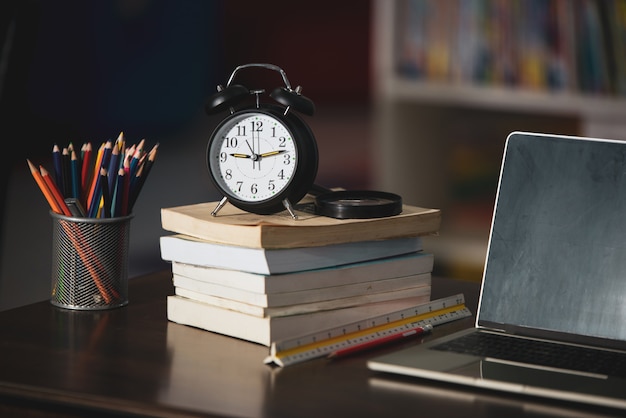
(90, 262)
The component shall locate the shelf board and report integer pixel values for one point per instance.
(504, 98)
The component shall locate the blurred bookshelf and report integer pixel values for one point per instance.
(451, 79)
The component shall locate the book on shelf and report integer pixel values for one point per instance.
(618, 35)
(190, 250)
(265, 330)
(291, 303)
(549, 45)
(353, 273)
(233, 226)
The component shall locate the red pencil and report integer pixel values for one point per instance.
(412, 332)
(85, 172)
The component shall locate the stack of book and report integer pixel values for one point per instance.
(267, 278)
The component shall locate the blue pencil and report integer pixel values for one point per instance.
(94, 205)
(134, 161)
(143, 172)
(58, 167)
(118, 194)
(106, 196)
(106, 156)
(114, 163)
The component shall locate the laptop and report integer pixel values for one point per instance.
(554, 284)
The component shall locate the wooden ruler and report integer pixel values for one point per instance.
(320, 344)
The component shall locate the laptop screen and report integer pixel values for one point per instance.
(557, 253)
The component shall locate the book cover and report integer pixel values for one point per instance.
(190, 250)
(355, 292)
(361, 272)
(233, 226)
(265, 330)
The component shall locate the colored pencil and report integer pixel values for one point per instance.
(94, 176)
(85, 174)
(75, 175)
(55, 191)
(118, 193)
(44, 188)
(106, 196)
(134, 161)
(114, 163)
(413, 332)
(145, 171)
(58, 167)
(86, 254)
(67, 172)
(94, 204)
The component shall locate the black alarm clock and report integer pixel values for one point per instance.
(263, 157)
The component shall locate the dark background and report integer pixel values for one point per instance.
(77, 71)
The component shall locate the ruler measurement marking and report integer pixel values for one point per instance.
(316, 345)
(409, 314)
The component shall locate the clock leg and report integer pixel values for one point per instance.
(219, 206)
(289, 208)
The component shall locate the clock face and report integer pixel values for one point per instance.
(252, 156)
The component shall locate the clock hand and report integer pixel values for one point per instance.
(271, 153)
(255, 157)
(251, 148)
(238, 155)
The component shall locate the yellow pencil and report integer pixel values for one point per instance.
(94, 178)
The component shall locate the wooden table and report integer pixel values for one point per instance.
(131, 360)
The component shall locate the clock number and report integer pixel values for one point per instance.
(241, 130)
(282, 142)
(231, 142)
(257, 126)
(223, 156)
(271, 186)
(239, 184)
(253, 188)
(228, 174)
(287, 159)
(281, 175)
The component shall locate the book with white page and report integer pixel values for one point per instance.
(419, 293)
(361, 272)
(186, 249)
(358, 291)
(234, 226)
(265, 330)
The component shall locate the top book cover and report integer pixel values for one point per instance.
(233, 226)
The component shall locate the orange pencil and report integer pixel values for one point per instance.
(95, 174)
(84, 252)
(55, 191)
(44, 188)
(80, 246)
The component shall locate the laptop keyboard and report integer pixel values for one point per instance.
(541, 353)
